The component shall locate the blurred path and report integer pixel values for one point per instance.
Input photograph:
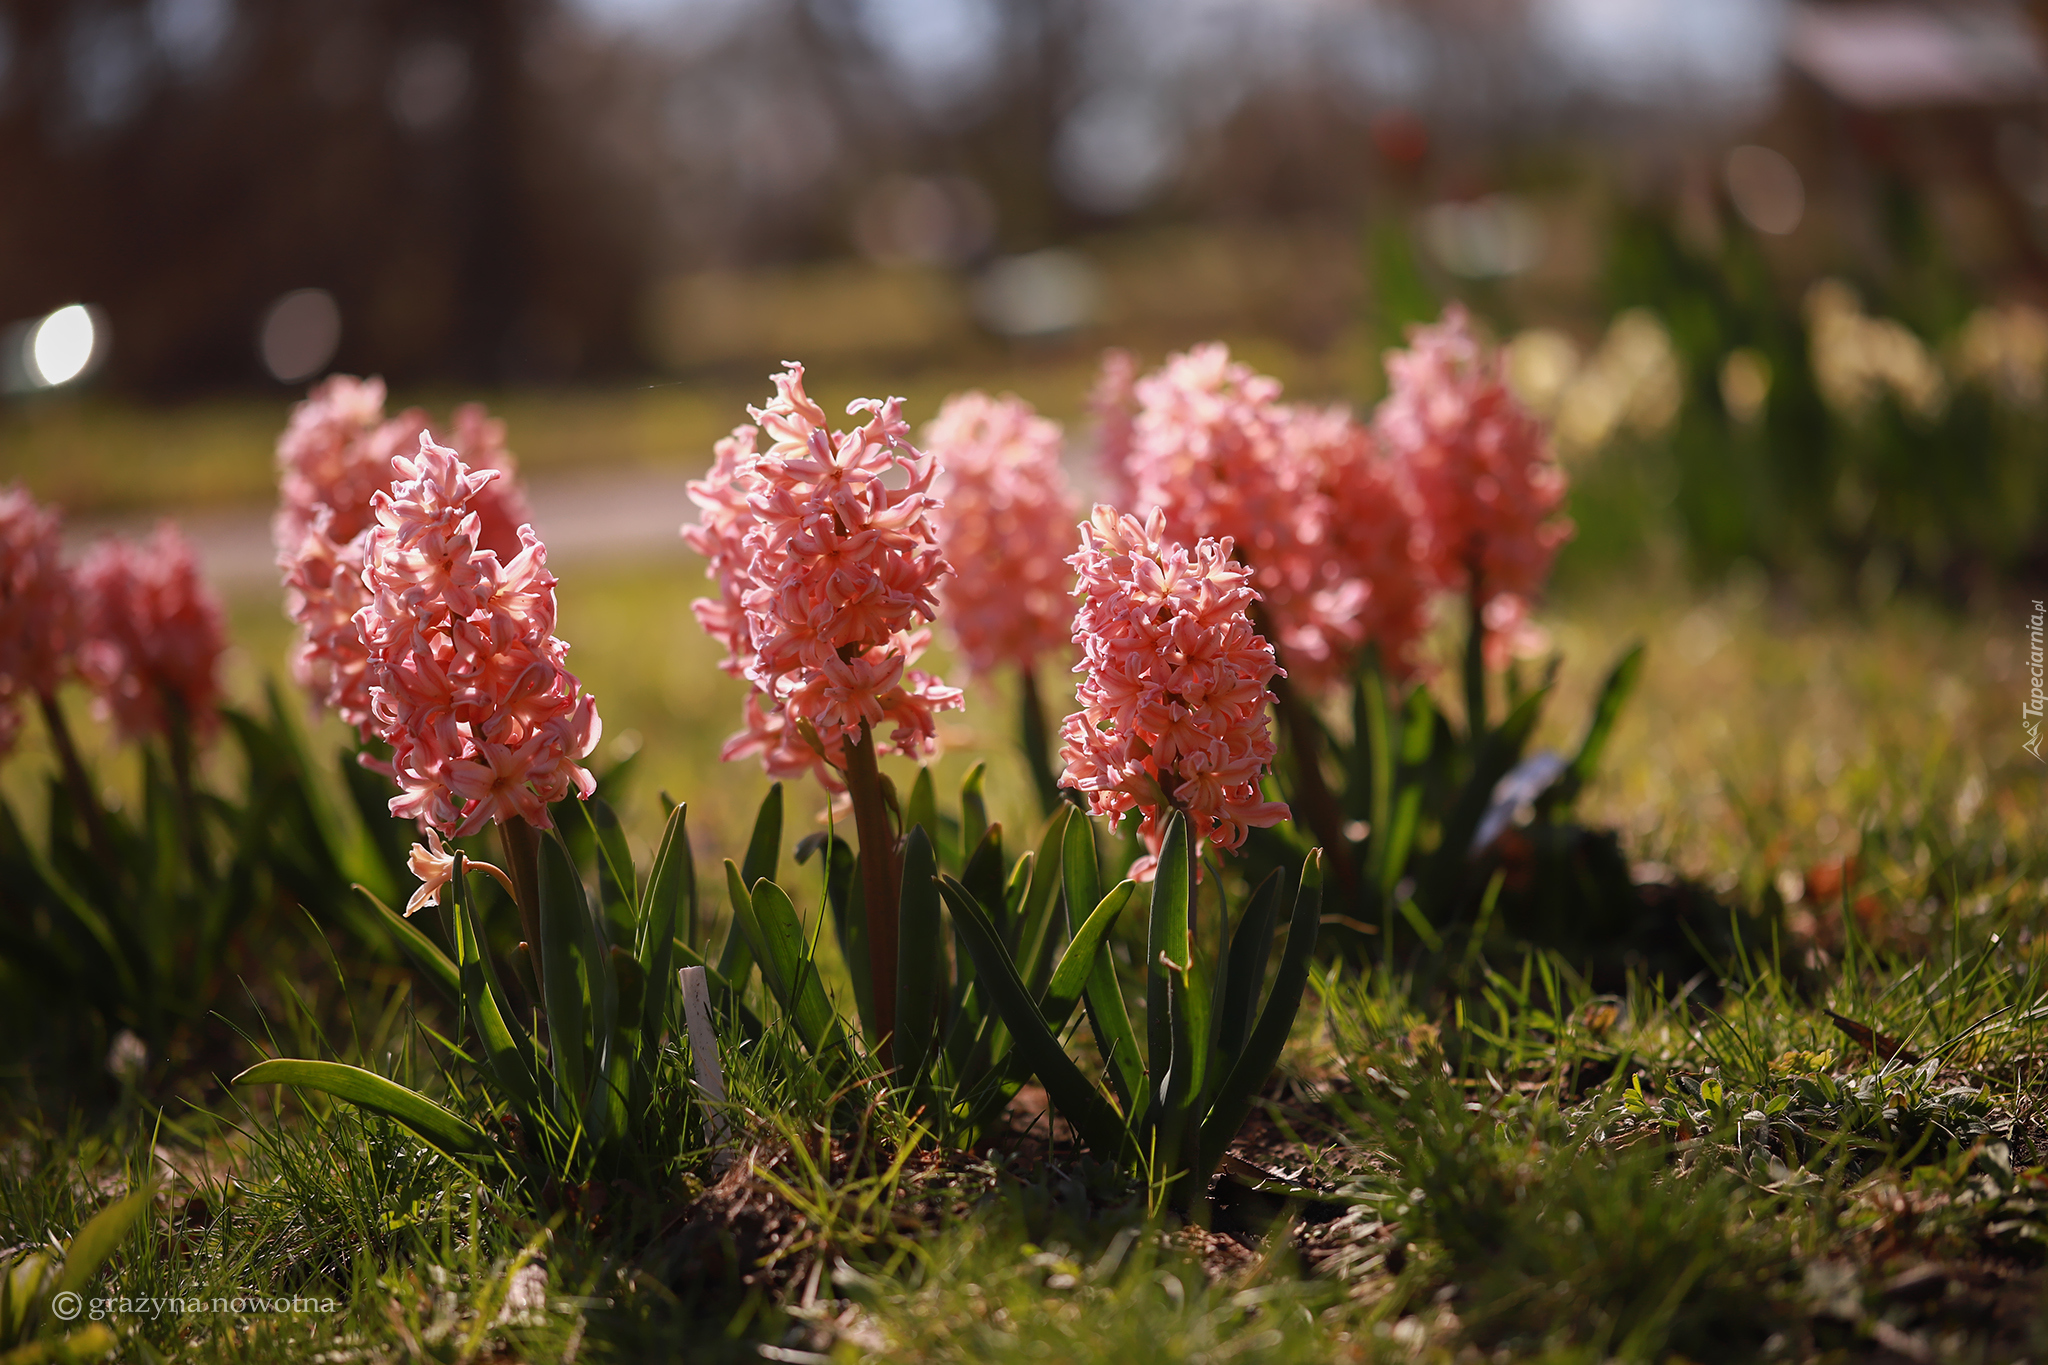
(620, 515)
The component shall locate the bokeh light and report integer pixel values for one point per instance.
(299, 335)
(63, 346)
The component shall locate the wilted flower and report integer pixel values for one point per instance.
(826, 574)
(1481, 465)
(1006, 529)
(38, 607)
(1174, 686)
(333, 456)
(465, 676)
(152, 634)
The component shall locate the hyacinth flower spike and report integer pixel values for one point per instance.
(1006, 528)
(466, 680)
(39, 633)
(1489, 485)
(827, 561)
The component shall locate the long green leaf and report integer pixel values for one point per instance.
(1039, 919)
(920, 956)
(761, 861)
(413, 1111)
(618, 891)
(924, 807)
(1091, 1115)
(984, 874)
(764, 849)
(792, 972)
(508, 1053)
(1107, 1015)
(101, 1236)
(564, 918)
(973, 811)
(1070, 978)
(1614, 695)
(670, 898)
(424, 952)
(1244, 972)
(1235, 1093)
(1167, 939)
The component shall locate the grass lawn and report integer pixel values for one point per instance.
(1829, 1148)
(1838, 1160)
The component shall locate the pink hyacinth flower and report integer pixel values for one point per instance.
(1174, 688)
(466, 679)
(1326, 528)
(38, 607)
(827, 564)
(1362, 571)
(333, 457)
(1481, 465)
(1006, 530)
(152, 634)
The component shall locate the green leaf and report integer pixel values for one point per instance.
(1244, 971)
(1167, 939)
(424, 952)
(671, 887)
(1262, 1050)
(508, 1052)
(924, 807)
(1614, 694)
(973, 811)
(764, 849)
(564, 920)
(1169, 958)
(920, 956)
(1070, 978)
(618, 892)
(100, 1238)
(841, 866)
(790, 970)
(984, 874)
(1085, 1107)
(1107, 1015)
(1039, 918)
(411, 1110)
(761, 862)
(1081, 875)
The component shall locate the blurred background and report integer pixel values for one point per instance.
(1792, 253)
(1776, 269)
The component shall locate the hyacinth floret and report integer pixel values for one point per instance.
(38, 607)
(1175, 684)
(152, 635)
(333, 457)
(466, 678)
(827, 562)
(1488, 483)
(1007, 529)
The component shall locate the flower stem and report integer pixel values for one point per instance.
(180, 728)
(878, 877)
(75, 779)
(522, 861)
